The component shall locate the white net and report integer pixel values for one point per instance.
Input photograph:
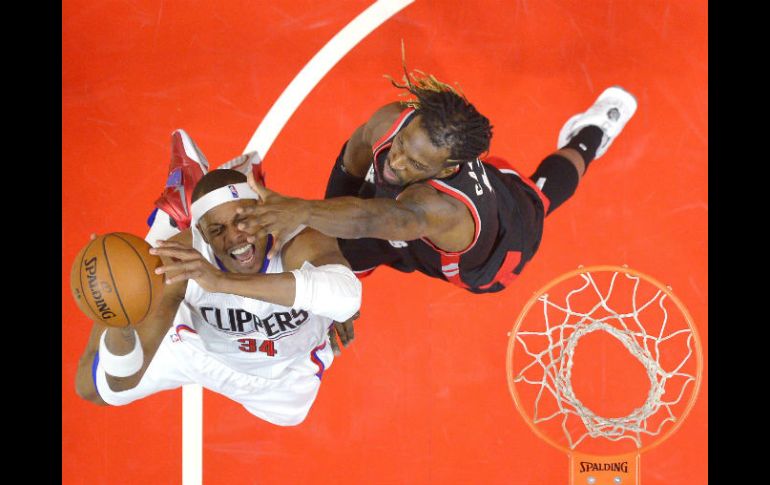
(638, 315)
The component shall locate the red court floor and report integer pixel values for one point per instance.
(421, 396)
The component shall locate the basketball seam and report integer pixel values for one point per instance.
(80, 277)
(146, 272)
(114, 285)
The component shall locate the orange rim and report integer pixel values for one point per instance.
(596, 269)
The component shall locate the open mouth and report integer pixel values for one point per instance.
(388, 175)
(244, 254)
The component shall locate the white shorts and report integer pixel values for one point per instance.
(284, 400)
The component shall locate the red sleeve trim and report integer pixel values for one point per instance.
(505, 167)
(364, 273)
(393, 129)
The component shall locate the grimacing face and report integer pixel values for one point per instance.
(219, 227)
(414, 158)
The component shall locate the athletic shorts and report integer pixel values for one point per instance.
(284, 400)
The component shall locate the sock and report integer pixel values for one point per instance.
(586, 142)
(161, 227)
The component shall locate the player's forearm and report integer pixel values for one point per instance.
(330, 290)
(278, 288)
(354, 218)
(150, 332)
(121, 340)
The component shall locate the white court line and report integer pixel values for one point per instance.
(316, 69)
(268, 130)
(192, 434)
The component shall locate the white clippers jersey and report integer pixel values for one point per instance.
(250, 336)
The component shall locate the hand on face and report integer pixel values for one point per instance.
(273, 214)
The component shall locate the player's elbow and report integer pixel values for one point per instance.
(331, 291)
(398, 225)
(90, 395)
(85, 387)
(409, 230)
(351, 302)
(345, 290)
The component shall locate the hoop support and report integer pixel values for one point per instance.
(604, 470)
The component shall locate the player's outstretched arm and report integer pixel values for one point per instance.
(420, 211)
(189, 264)
(311, 289)
(122, 342)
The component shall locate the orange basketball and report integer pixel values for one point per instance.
(113, 279)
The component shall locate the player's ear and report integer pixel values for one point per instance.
(447, 170)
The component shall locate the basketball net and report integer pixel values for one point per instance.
(578, 318)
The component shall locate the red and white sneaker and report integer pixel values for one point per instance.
(248, 162)
(188, 165)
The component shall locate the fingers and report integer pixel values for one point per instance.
(257, 217)
(342, 333)
(250, 225)
(249, 210)
(167, 243)
(277, 245)
(348, 326)
(268, 224)
(257, 187)
(182, 276)
(259, 214)
(183, 253)
(345, 330)
(179, 268)
(260, 234)
(187, 264)
(333, 341)
(192, 270)
(250, 180)
(257, 230)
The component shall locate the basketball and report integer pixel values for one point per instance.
(113, 279)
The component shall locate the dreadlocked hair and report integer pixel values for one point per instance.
(449, 118)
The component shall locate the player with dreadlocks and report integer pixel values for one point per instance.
(413, 189)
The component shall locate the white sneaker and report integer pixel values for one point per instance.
(248, 162)
(610, 112)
